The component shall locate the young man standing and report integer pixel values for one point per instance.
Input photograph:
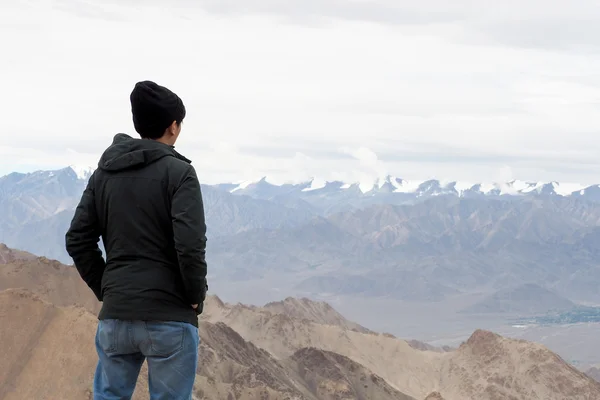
(144, 201)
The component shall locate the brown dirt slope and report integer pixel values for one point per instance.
(334, 377)
(315, 311)
(47, 352)
(59, 284)
(239, 369)
(411, 371)
(418, 345)
(486, 367)
(8, 255)
(490, 367)
(252, 353)
(245, 371)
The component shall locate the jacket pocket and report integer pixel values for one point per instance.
(166, 338)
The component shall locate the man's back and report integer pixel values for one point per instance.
(144, 201)
(134, 186)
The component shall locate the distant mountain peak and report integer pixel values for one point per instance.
(482, 339)
(82, 172)
(419, 189)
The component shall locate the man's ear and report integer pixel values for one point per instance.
(173, 128)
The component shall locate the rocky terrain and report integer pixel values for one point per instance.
(294, 349)
(8, 256)
(319, 312)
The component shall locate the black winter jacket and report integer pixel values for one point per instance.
(144, 201)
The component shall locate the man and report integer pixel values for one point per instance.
(144, 201)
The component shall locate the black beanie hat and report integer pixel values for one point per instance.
(154, 109)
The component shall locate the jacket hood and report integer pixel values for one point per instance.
(126, 152)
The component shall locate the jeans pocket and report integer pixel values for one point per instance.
(166, 338)
(108, 335)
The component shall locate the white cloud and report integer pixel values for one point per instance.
(388, 76)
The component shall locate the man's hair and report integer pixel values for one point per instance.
(154, 108)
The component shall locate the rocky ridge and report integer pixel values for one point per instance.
(296, 349)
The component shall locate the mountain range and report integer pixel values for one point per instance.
(290, 349)
(375, 244)
(442, 265)
(327, 197)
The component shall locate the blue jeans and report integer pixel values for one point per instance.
(171, 349)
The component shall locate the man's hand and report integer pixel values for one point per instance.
(194, 306)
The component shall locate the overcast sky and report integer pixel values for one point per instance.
(340, 89)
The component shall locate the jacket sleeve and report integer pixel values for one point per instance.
(82, 241)
(189, 229)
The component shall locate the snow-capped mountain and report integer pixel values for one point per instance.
(390, 184)
(82, 172)
(332, 196)
(333, 219)
(318, 196)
